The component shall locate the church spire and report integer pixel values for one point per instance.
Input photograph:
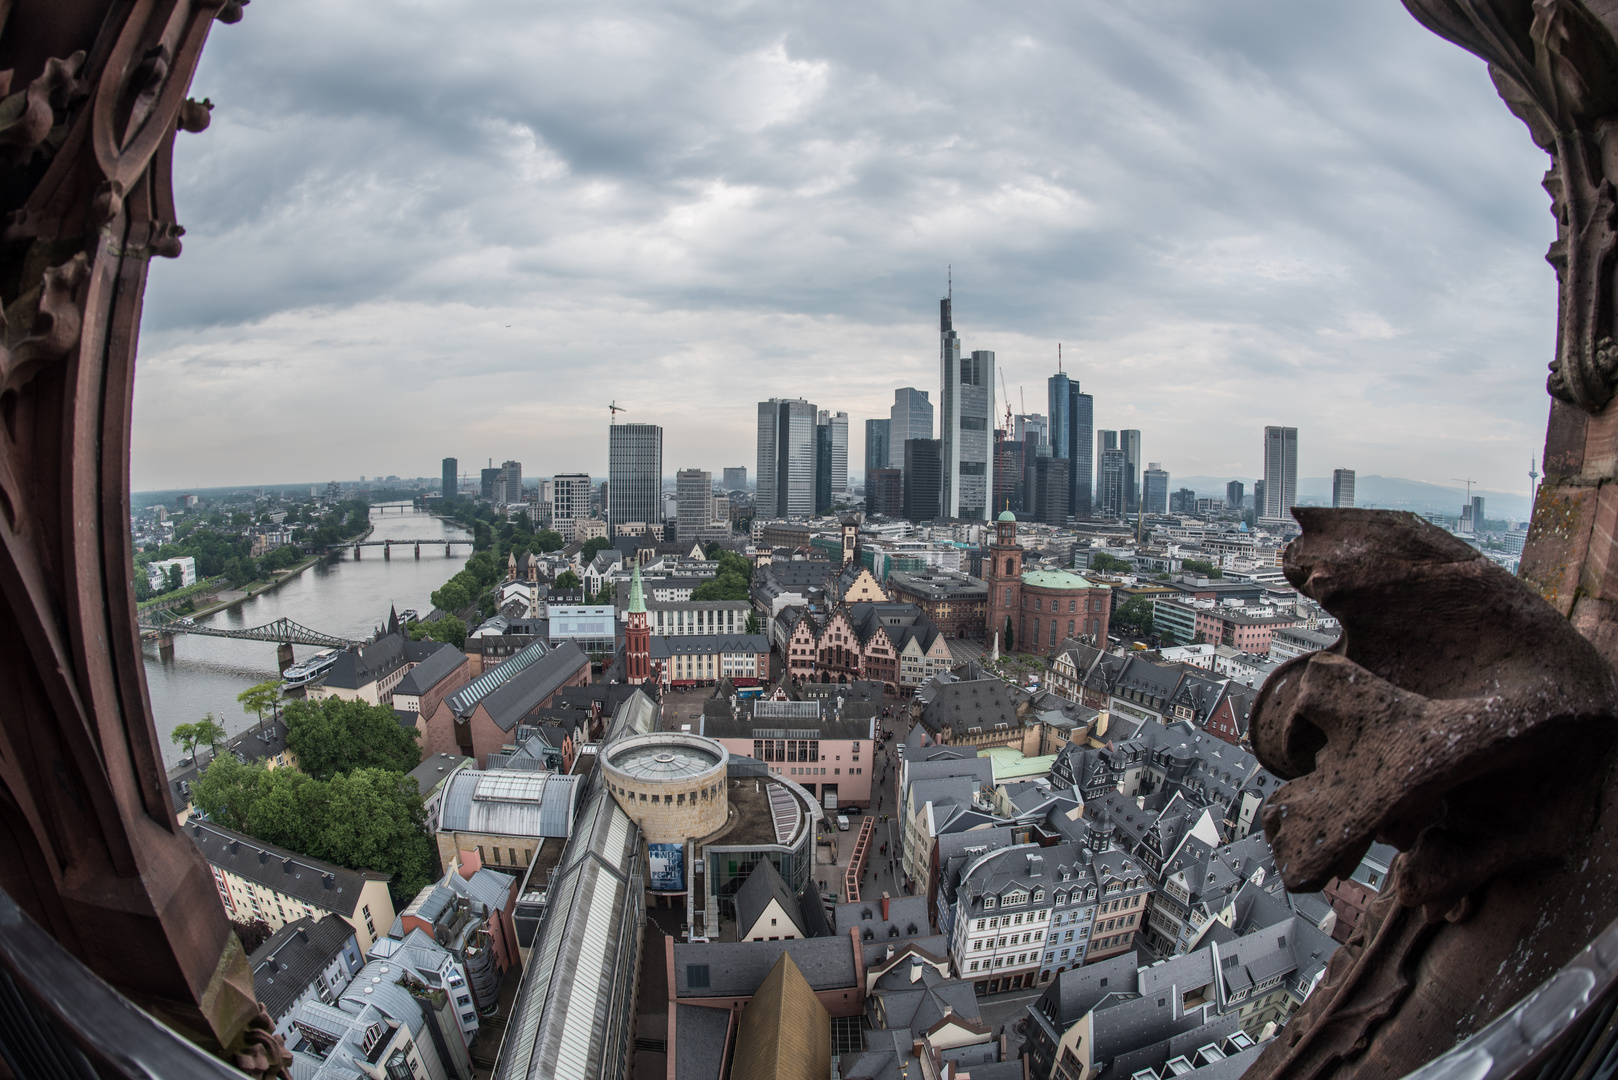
(637, 595)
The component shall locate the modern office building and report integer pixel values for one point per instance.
(1036, 424)
(693, 503)
(1070, 438)
(1008, 471)
(1342, 487)
(884, 492)
(1280, 473)
(491, 484)
(910, 418)
(1258, 498)
(1129, 443)
(1155, 490)
(570, 502)
(1047, 486)
(634, 474)
(786, 458)
(965, 420)
(836, 424)
(451, 478)
(1472, 515)
(1235, 495)
(1112, 489)
(877, 453)
(513, 482)
(923, 479)
(736, 479)
(823, 467)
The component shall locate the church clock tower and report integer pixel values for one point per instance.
(1004, 578)
(637, 634)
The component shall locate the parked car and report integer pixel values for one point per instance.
(842, 823)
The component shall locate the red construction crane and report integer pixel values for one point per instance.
(615, 409)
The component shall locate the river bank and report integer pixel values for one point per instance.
(334, 594)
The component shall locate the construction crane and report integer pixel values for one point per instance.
(615, 409)
(1007, 395)
(1468, 484)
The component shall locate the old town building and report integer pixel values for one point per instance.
(1033, 611)
(957, 603)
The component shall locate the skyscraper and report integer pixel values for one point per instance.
(451, 478)
(786, 458)
(1155, 490)
(1342, 487)
(910, 418)
(1280, 472)
(823, 467)
(736, 479)
(1111, 485)
(877, 455)
(513, 481)
(1258, 498)
(1235, 494)
(837, 425)
(1070, 438)
(1129, 443)
(634, 475)
(1036, 424)
(884, 492)
(923, 479)
(693, 503)
(491, 485)
(965, 418)
(1105, 440)
(1008, 470)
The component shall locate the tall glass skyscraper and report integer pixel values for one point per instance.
(786, 458)
(451, 477)
(1072, 426)
(1280, 473)
(1129, 443)
(836, 424)
(877, 455)
(910, 418)
(965, 420)
(634, 475)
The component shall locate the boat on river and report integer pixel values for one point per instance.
(301, 674)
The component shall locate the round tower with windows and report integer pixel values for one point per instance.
(1003, 574)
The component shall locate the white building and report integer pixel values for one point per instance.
(157, 573)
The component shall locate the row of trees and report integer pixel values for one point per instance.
(470, 583)
(733, 581)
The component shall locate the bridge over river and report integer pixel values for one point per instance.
(387, 545)
(284, 633)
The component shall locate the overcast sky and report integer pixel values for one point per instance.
(428, 229)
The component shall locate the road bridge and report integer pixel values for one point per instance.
(387, 545)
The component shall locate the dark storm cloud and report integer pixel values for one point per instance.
(426, 229)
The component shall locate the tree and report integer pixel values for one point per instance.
(368, 819)
(1201, 566)
(591, 546)
(176, 576)
(252, 935)
(1109, 564)
(548, 540)
(338, 735)
(567, 579)
(448, 628)
(451, 597)
(752, 623)
(261, 698)
(205, 732)
(1009, 637)
(1167, 639)
(1136, 614)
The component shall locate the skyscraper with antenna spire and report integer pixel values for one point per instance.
(966, 420)
(1073, 436)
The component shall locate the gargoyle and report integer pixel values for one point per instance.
(1464, 720)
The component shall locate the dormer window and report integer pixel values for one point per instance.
(1039, 896)
(988, 901)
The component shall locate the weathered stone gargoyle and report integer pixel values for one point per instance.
(1464, 720)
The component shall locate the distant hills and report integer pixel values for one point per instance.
(1382, 492)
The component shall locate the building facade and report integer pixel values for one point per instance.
(1280, 473)
(877, 452)
(736, 479)
(836, 425)
(693, 501)
(570, 503)
(450, 481)
(1155, 490)
(634, 474)
(1342, 487)
(966, 419)
(786, 458)
(884, 492)
(911, 417)
(923, 479)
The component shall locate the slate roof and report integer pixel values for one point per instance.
(665, 646)
(465, 699)
(925, 1002)
(436, 769)
(1078, 990)
(525, 690)
(701, 1038)
(431, 671)
(737, 969)
(961, 706)
(763, 885)
(295, 956)
(322, 885)
(357, 667)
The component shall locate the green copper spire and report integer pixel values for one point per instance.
(637, 595)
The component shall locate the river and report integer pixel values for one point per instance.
(343, 597)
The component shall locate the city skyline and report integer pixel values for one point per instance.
(594, 222)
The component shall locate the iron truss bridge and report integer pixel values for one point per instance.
(279, 632)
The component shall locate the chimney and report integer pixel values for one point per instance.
(303, 935)
(326, 881)
(286, 865)
(1036, 864)
(915, 969)
(884, 907)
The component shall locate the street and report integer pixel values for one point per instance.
(882, 873)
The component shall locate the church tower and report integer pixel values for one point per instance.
(637, 635)
(1003, 574)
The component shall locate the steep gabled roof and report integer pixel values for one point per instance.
(763, 885)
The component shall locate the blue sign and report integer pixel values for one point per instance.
(668, 867)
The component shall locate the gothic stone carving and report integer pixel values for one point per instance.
(1555, 62)
(1464, 720)
(92, 93)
